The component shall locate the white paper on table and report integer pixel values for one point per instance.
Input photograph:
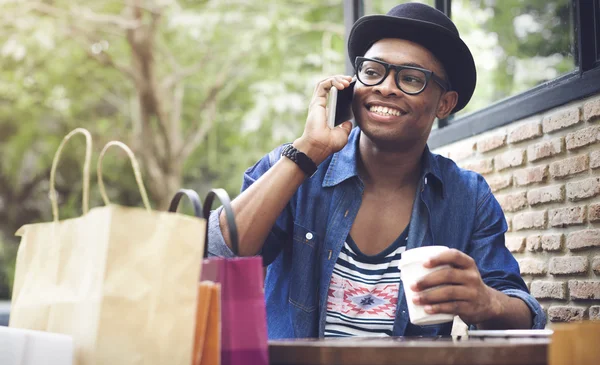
(28, 347)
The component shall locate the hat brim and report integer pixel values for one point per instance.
(446, 46)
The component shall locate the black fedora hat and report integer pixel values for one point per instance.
(428, 27)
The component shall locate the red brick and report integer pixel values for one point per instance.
(531, 175)
(534, 243)
(499, 182)
(512, 202)
(564, 313)
(552, 242)
(596, 265)
(532, 267)
(568, 216)
(583, 239)
(568, 265)
(595, 159)
(594, 212)
(491, 143)
(515, 244)
(548, 194)
(525, 132)
(545, 149)
(482, 167)
(512, 158)
(591, 110)
(462, 151)
(584, 290)
(549, 289)
(595, 313)
(530, 220)
(569, 166)
(582, 137)
(583, 189)
(561, 120)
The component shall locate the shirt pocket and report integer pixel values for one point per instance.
(304, 285)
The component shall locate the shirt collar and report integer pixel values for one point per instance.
(343, 165)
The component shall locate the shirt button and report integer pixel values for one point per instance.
(309, 236)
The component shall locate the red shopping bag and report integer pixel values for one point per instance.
(243, 312)
(207, 334)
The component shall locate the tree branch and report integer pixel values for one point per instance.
(210, 104)
(84, 14)
(106, 19)
(203, 128)
(102, 57)
(184, 72)
(175, 124)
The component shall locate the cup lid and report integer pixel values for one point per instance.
(420, 254)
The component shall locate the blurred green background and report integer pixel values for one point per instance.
(200, 90)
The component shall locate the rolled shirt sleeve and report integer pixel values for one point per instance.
(280, 232)
(497, 266)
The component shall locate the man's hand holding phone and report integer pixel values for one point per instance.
(319, 140)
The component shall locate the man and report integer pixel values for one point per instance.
(332, 240)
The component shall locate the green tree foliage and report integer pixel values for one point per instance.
(199, 89)
(517, 44)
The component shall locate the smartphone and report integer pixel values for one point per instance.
(340, 105)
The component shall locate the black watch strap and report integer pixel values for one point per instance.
(302, 160)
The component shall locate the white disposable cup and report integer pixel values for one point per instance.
(412, 270)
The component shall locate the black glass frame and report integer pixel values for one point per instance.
(429, 75)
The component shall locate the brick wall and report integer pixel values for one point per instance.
(545, 172)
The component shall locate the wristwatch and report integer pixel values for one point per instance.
(302, 160)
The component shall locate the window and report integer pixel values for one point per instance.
(383, 6)
(516, 45)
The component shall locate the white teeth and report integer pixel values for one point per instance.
(384, 110)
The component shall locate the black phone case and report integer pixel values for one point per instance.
(343, 108)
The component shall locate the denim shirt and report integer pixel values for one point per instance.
(453, 207)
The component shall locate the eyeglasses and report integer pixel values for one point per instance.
(411, 80)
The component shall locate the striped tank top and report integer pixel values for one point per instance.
(363, 291)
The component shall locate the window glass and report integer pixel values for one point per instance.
(516, 44)
(383, 6)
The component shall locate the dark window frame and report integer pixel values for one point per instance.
(578, 84)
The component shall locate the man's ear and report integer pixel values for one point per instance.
(446, 104)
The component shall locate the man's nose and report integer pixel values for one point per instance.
(388, 86)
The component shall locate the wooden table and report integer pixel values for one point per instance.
(410, 350)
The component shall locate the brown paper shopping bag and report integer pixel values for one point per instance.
(121, 281)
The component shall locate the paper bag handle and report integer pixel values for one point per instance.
(192, 196)
(86, 171)
(136, 172)
(233, 233)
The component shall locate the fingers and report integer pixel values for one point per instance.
(452, 257)
(446, 293)
(340, 134)
(445, 276)
(322, 89)
(457, 307)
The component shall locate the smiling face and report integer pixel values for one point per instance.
(390, 118)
